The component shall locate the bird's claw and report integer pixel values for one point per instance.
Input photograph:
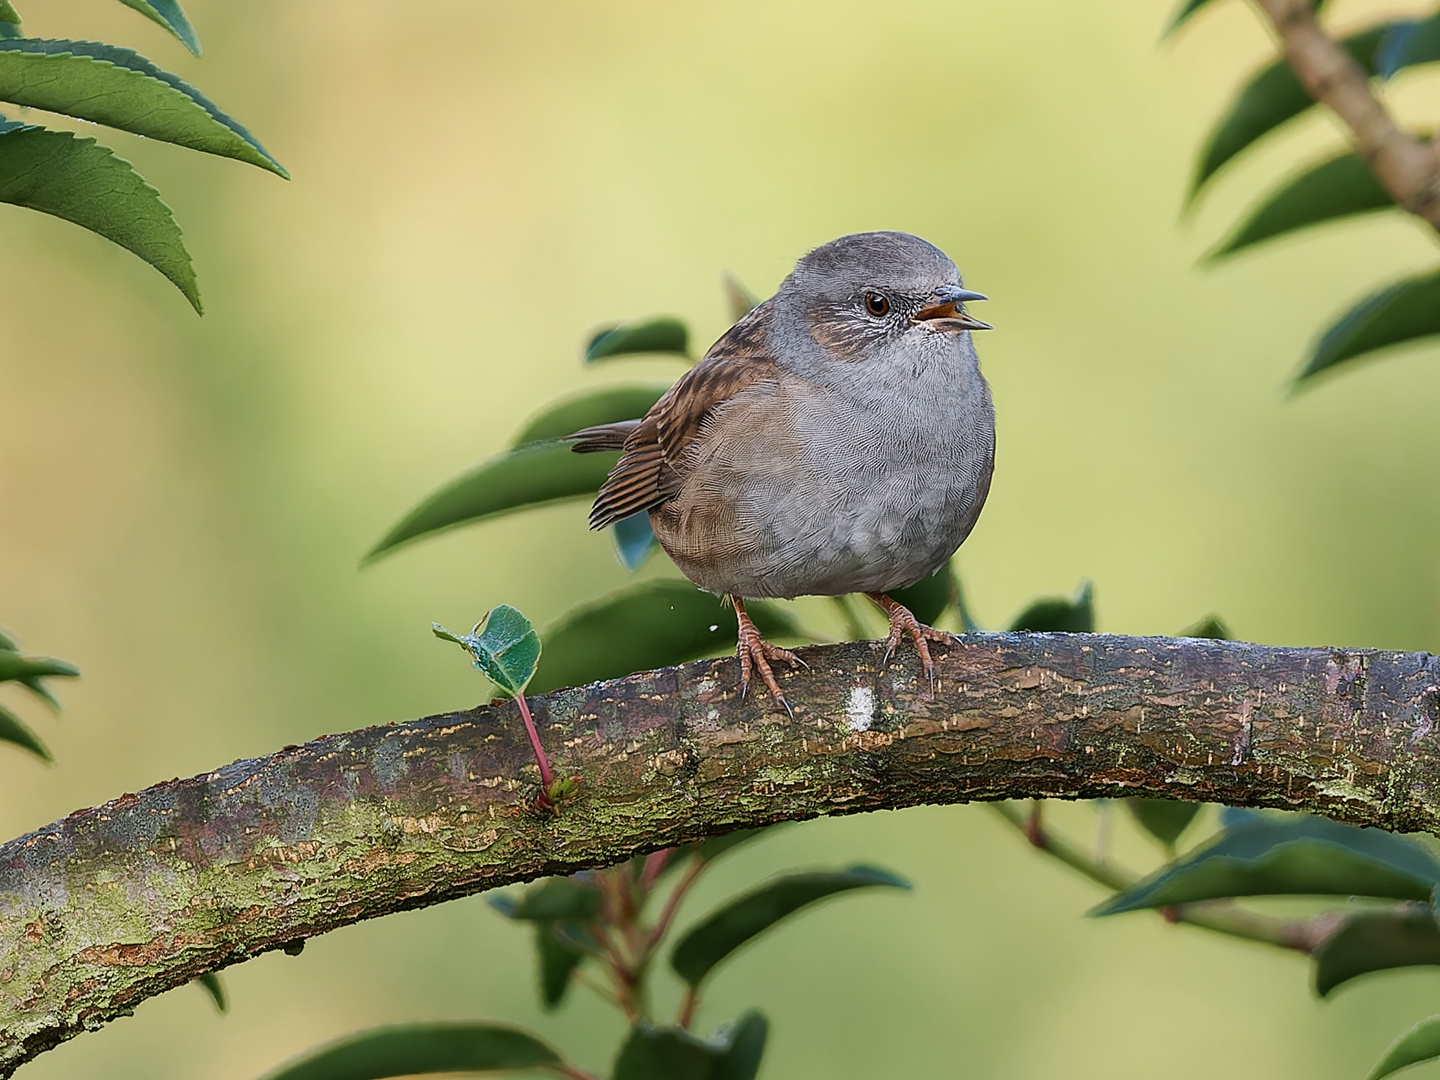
(903, 624)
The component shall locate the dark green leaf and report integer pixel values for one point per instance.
(551, 899)
(1377, 941)
(608, 405)
(13, 731)
(741, 919)
(558, 959)
(1409, 44)
(661, 335)
(8, 14)
(1055, 614)
(14, 665)
(740, 299)
(1398, 314)
(529, 476)
(1240, 817)
(8, 643)
(734, 1053)
(1164, 819)
(504, 645)
(109, 85)
(10, 31)
(1294, 856)
(634, 539)
(420, 1049)
(1334, 189)
(211, 984)
(1190, 7)
(928, 598)
(650, 625)
(169, 15)
(1212, 626)
(1272, 96)
(746, 1038)
(1420, 1043)
(35, 683)
(70, 177)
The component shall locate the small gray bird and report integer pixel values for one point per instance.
(837, 439)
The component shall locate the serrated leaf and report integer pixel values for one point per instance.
(1297, 856)
(1272, 96)
(12, 730)
(71, 177)
(558, 958)
(1396, 315)
(659, 335)
(517, 479)
(1057, 615)
(1377, 941)
(667, 1053)
(1408, 44)
(15, 665)
(735, 923)
(549, 900)
(211, 984)
(1420, 1043)
(1340, 187)
(650, 625)
(739, 299)
(928, 598)
(1164, 819)
(106, 84)
(1212, 626)
(607, 405)
(418, 1050)
(1188, 8)
(8, 14)
(504, 646)
(168, 14)
(634, 539)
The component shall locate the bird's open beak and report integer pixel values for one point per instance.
(947, 313)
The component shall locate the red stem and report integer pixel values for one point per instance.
(546, 776)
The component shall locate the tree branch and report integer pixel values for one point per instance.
(1408, 168)
(115, 904)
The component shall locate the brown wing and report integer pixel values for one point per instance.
(649, 471)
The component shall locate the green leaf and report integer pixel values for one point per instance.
(14, 665)
(13, 731)
(634, 539)
(659, 335)
(1190, 7)
(169, 15)
(1055, 614)
(1212, 626)
(1407, 45)
(551, 899)
(109, 85)
(1420, 1043)
(1377, 941)
(741, 300)
(8, 14)
(607, 405)
(723, 931)
(1396, 315)
(528, 476)
(1295, 856)
(558, 958)
(1340, 187)
(211, 984)
(9, 31)
(420, 1049)
(70, 177)
(1272, 96)
(1164, 819)
(928, 598)
(650, 625)
(504, 645)
(668, 1053)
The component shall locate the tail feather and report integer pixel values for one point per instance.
(602, 437)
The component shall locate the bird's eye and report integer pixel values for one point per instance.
(877, 304)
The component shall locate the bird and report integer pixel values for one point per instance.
(839, 438)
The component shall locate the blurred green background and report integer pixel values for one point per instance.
(477, 185)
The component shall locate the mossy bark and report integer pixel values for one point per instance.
(117, 903)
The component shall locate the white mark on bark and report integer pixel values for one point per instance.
(860, 708)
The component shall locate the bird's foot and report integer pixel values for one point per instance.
(755, 653)
(903, 623)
